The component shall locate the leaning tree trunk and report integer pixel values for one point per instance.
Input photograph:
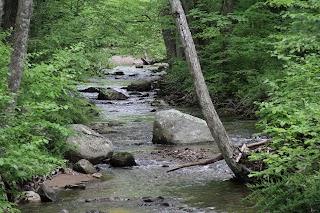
(216, 128)
(20, 44)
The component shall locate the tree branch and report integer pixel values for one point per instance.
(218, 157)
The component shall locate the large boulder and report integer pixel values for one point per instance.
(174, 127)
(88, 145)
(111, 94)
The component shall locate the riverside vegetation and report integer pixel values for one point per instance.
(257, 56)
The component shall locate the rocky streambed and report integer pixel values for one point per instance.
(147, 187)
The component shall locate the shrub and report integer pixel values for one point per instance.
(296, 193)
(291, 118)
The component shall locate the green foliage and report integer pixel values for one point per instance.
(291, 116)
(24, 147)
(48, 90)
(296, 193)
(179, 76)
(117, 27)
(5, 52)
(6, 206)
(299, 34)
(33, 142)
(234, 51)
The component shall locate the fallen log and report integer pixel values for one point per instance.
(199, 163)
(260, 143)
(218, 157)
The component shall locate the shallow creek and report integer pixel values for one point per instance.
(147, 187)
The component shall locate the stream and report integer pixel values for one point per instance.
(148, 187)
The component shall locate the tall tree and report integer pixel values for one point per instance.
(214, 123)
(227, 6)
(168, 37)
(20, 45)
(10, 13)
(1, 10)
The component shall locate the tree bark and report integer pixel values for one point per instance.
(227, 6)
(1, 11)
(20, 45)
(10, 14)
(179, 48)
(214, 123)
(168, 37)
(169, 43)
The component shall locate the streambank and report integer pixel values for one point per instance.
(147, 187)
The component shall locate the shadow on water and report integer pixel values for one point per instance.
(148, 187)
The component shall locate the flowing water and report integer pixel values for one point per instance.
(148, 187)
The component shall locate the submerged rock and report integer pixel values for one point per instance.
(153, 199)
(111, 94)
(88, 145)
(159, 103)
(140, 85)
(48, 194)
(90, 89)
(118, 73)
(84, 166)
(105, 93)
(174, 127)
(75, 186)
(101, 127)
(122, 159)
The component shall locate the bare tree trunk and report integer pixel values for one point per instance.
(1, 11)
(227, 6)
(214, 123)
(188, 5)
(169, 43)
(20, 45)
(179, 48)
(168, 37)
(10, 14)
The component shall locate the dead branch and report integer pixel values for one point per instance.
(219, 157)
(244, 147)
(203, 162)
(260, 143)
